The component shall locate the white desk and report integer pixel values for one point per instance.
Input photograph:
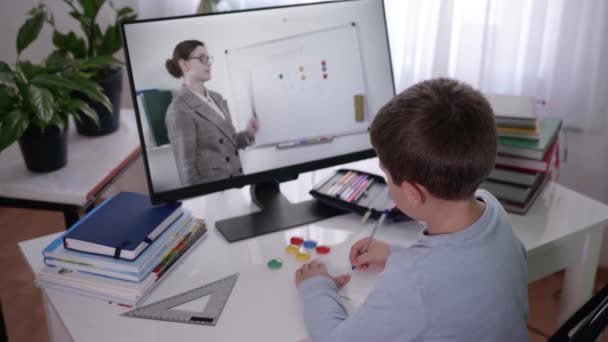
(93, 164)
(563, 229)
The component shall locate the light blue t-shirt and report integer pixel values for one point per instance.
(465, 286)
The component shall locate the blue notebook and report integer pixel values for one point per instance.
(122, 226)
(134, 270)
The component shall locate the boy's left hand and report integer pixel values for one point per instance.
(316, 268)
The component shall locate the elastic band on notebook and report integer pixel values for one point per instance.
(148, 240)
(119, 249)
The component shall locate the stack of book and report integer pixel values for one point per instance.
(120, 250)
(528, 152)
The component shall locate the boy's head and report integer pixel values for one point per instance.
(439, 134)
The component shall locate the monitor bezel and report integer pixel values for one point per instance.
(278, 174)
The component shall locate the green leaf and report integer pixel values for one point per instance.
(60, 121)
(6, 75)
(19, 75)
(75, 83)
(58, 61)
(85, 109)
(85, 23)
(112, 41)
(6, 99)
(128, 18)
(12, 127)
(6, 79)
(29, 31)
(71, 43)
(92, 90)
(42, 102)
(30, 70)
(4, 67)
(98, 62)
(51, 81)
(121, 12)
(91, 7)
(58, 57)
(97, 39)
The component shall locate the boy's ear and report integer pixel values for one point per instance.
(415, 193)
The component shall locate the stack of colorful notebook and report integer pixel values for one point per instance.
(120, 250)
(528, 152)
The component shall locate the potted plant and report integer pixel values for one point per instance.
(96, 43)
(36, 100)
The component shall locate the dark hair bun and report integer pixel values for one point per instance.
(173, 68)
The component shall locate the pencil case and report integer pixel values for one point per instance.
(357, 191)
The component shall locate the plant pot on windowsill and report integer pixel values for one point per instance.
(44, 150)
(109, 121)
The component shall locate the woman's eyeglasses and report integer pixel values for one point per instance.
(203, 59)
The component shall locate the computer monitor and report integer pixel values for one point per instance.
(256, 97)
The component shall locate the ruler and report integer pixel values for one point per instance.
(219, 291)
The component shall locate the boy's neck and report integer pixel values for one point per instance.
(454, 215)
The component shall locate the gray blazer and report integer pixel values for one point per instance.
(205, 145)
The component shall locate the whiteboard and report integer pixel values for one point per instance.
(301, 86)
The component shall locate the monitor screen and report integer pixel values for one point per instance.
(229, 99)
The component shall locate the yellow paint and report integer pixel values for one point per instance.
(291, 249)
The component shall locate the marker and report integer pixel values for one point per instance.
(337, 184)
(355, 193)
(286, 144)
(364, 191)
(347, 184)
(340, 188)
(302, 142)
(353, 188)
(350, 186)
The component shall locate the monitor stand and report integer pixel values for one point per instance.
(276, 214)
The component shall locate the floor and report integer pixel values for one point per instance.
(22, 301)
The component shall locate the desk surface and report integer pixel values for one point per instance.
(92, 162)
(264, 304)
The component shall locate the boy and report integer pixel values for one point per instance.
(464, 279)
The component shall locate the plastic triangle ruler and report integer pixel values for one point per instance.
(219, 291)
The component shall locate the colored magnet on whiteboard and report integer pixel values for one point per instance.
(301, 68)
(324, 68)
(323, 63)
(275, 264)
(324, 76)
(303, 77)
(323, 249)
(310, 244)
(291, 249)
(281, 76)
(359, 115)
(303, 256)
(296, 240)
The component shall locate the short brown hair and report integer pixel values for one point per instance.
(439, 133)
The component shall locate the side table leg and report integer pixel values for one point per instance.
(57, 330)
(70, 216)
(579, 278)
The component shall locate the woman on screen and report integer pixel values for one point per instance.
(198, 121)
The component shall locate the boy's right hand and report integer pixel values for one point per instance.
(376, 255)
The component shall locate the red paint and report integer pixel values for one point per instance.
(296, 240)
(323, 249)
